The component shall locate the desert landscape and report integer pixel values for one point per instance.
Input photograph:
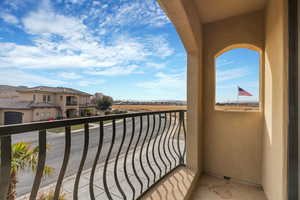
(149, 107)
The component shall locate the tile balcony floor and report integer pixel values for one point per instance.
(212, 188)
(175, 187)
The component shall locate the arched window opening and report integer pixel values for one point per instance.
(237, 79)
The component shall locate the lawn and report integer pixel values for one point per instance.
(73, 128)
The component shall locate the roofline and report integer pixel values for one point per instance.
(16, 109)
(39, 91)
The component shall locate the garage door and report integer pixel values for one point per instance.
(12, 118)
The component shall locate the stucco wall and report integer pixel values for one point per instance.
(25, 96)
(275, 129)
(232, 140)
(38, 113)
(84, 99)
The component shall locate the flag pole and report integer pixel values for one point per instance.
(237, 101)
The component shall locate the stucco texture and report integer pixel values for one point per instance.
(232, 140)
(275, 128)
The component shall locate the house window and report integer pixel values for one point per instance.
(34, 97)
(49, 98)
(237, 80)
(44, 98)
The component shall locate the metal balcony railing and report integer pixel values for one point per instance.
(155, 146)
(71, 103)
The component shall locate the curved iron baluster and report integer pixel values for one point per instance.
(173, 139)
(106, 163)
(5, 166)
(165, 140)
(133, 155)
(147, 151)
(41, 164)
(153, 148)
(65, 161)
(83, 158)
(184, 130)
(170, 139)
(100, 144)
(117, 159)
(141, 152)
(159, 143)
(125, 159)
(178, 139)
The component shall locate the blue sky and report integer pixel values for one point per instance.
(237, 67)
(127, 49)
(124, 48)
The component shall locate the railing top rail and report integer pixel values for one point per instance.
(26, 127)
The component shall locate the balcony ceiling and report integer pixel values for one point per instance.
(214, 10)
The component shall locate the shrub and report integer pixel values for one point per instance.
(50, 196)
(104, 103)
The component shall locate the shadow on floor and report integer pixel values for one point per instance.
(175, 186)
(212, 188)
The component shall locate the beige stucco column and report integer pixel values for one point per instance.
(184, 16)
(194, 114)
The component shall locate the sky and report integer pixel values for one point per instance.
(237, 68)
(127, 49)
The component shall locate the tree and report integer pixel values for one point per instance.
(23, 156)
(104, 103)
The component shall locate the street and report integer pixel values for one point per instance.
(56, 144)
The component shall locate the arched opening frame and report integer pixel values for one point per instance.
(260, 81)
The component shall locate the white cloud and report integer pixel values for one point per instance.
(90, 82)
(45, 21)
(244, 84)
(156, 65)
(231, 74)
(8, 18)
(64, 42)
(223, 62)
(163, 80)
(76, 1)
(16, 4)
(116, 71)
(131, 13)
(18, 77)
(164, 86)
(160, 45)
(69, 75)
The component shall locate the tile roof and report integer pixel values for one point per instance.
(43, 105)
(54, 90)
(11, 104)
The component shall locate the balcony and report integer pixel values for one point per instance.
(71, 101)
(132, 154)
(222, 155)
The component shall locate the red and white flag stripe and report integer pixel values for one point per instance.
(242, 92)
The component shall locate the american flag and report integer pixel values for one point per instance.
(243, 92)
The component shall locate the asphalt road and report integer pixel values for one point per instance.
(57, 144)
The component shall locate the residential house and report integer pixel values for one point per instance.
(24, 104)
